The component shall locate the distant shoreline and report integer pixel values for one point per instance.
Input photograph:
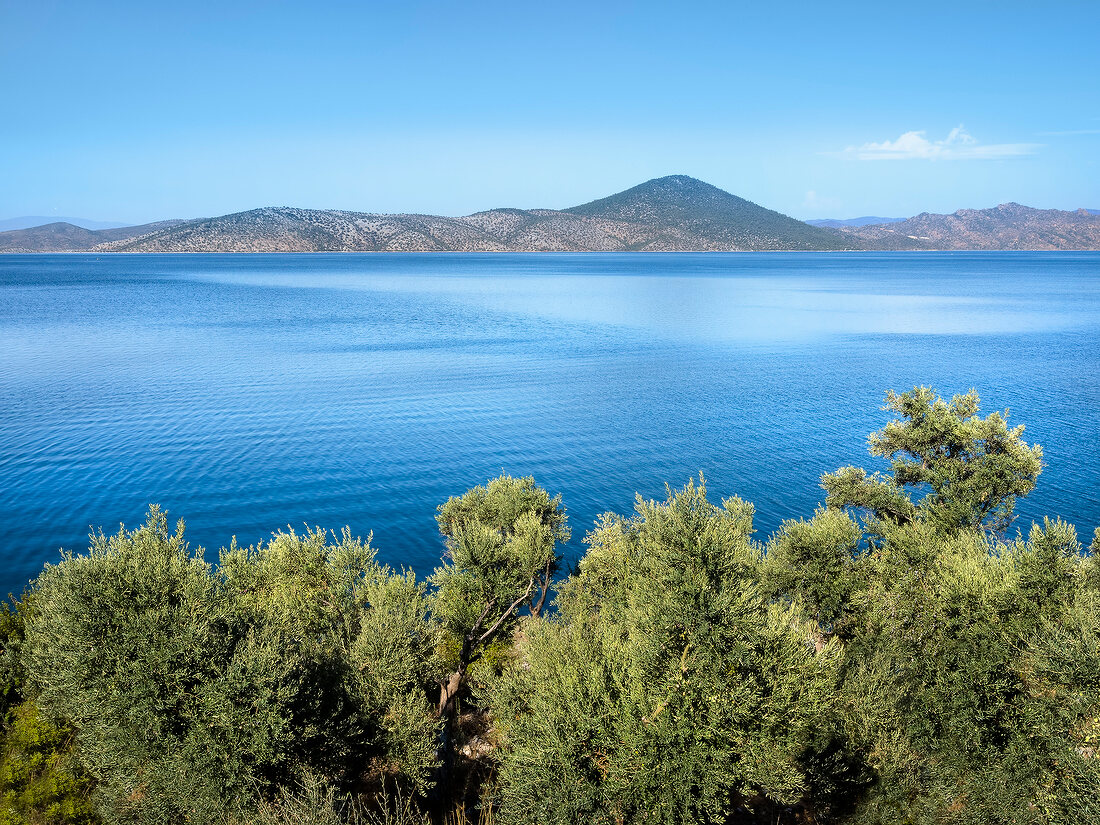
(676, 213)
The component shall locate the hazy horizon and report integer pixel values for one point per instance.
(208, 109)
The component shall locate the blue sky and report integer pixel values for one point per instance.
(140, 111)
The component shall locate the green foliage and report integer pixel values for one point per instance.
(316, 802)
(973, 468)
(501, 549)
(972, 687)
(193, 690)
(669, 690)
(392, 659)
(335, 651)
(916, 667)
(818, 562)
(121, 644)
(501, 555)
(13, 615)
(936, 675)
(41, 782)
(955, 693)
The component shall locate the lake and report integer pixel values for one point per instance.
(244, 393)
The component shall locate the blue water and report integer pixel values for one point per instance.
(248, 392)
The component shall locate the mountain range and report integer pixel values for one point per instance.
(674, 213)
(67, 237)
(30, 221)
(1008, 226)
(836, 223)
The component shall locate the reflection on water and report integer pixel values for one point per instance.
(738, 297)
(246, 392)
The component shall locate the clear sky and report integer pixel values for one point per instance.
(138, 111)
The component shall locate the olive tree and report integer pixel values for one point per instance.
(196, 690)
(820, 563)
(972, 688)
(969, 689)
(667, 689)
(121, 643)
(972, 468)
(501, 556)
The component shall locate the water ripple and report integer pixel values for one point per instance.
(248, 392)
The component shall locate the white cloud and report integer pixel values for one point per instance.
(958, 145)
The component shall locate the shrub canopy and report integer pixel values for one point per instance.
(897, 657)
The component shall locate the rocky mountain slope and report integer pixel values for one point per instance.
(675, 213)
(283, 229)
(65, 237)
(1008, 226)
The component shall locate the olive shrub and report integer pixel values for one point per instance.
(898, 656)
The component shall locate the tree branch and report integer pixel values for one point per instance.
(480, 619)
(507, 613)
(657, 711)
(536, 609)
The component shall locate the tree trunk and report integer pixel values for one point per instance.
(447, 693)
(536, 609)
(448, 705)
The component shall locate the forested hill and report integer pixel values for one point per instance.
(680, 208)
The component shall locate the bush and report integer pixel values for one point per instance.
(669, 689)
(194, 691)
(972, 686)
(41, 781)
(13, 615)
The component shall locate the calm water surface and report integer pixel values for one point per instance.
(248, 392)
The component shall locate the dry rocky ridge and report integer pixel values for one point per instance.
(1008, 226)
(67, 237)
(673, 214)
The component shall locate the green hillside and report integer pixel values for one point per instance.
(683, 203)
